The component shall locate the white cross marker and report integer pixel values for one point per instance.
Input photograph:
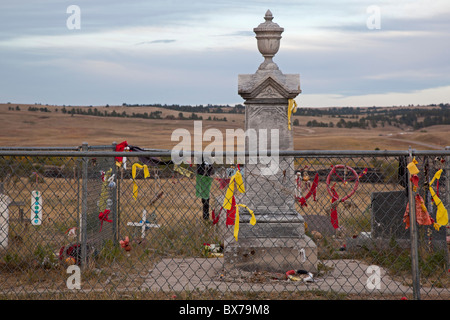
(144, 224)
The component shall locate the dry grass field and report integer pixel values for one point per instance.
(34, 128)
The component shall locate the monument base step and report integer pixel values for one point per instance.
(270, 254)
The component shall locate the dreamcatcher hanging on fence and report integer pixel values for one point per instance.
(350, 181)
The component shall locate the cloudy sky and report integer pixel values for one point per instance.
(191, 52)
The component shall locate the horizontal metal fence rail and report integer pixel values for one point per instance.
(89, 221)
(56, 152)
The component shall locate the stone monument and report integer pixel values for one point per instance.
(277, 242)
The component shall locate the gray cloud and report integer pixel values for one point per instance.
(439, 23)
(156, 41)
(48, 17)
(242, 33)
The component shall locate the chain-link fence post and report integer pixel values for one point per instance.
(114, 195)
(413, 236)
(447, 190)
(447, 176)
(84, 205)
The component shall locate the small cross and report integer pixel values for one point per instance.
(144, 224)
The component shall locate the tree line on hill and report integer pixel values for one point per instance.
(146, 115)
(349, 117)
(414, 117)
(210, 108)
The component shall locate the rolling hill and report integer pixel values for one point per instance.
(29, 125)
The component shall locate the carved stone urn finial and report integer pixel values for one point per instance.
(268, 35)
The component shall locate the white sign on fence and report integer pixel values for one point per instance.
(36, 208)
(4, 220)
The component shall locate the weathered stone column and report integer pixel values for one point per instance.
(277, 242)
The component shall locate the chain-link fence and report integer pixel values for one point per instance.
(94, 222)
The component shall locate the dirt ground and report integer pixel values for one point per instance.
(348, 277)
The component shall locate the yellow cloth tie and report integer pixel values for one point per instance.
(412, 167)
(236, 221)
(292, 108)
(437, 175)
(133, 173)
(441, 214)
(183, 171)
(237, 177)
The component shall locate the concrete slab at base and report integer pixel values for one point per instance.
(271, 254)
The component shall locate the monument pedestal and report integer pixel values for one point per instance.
(271, 254)
(277, 242)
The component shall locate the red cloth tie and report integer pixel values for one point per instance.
(103, 216)
(312, 191)
(231, 213)
(334, 216)
(215, 218)
(119, 148)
